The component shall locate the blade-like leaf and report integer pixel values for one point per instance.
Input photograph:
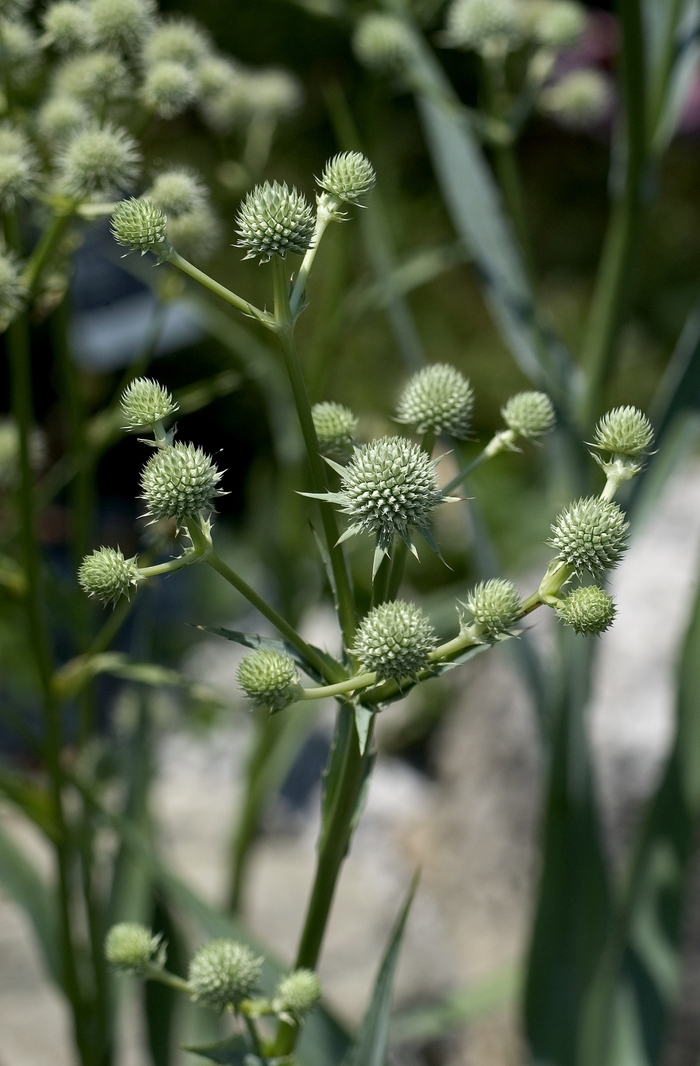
(253, 640)
(235, 1051)
(24, 885)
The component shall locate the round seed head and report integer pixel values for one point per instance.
(144, 402)
(556, 23)
(299, 992)
(98, 159)
(494, 606)
(168, 88)
(12, 290)
(483, 25)
(383, 42)
(178, 191)
(180, 482)
(18, 166)
(588, 610)
(395, 640)
(438, 399)
(348, 176)
(177, 40)
(195, 234)
(66, 25)
(121, 23)
(223, 973)
(19, 50)
(140, 226)
(59, 116)
(92, 77)
(624, 431)
(591, 535)
(107, 575)
(129, 946)
(579, 100)
(269, 677)
(335, 427)
(529, 414)
(274, 220)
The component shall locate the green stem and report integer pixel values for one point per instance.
(220, 290)
(660, 76)
(352, 684)
(164, 977)
(500, 441)
(323, 218)
(42, 253)
(253, 1033)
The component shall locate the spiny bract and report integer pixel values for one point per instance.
(129, 946)
(590, 534)
(274, 220)
(107, 575)
(299, 991)
(335, 427)
(145, 402)
(179, 482)
(438, 399)
(588, 610)
(484, 24)
(624, 431)
(222, 973)
(494, 605)
(383, 42)
(98, 159)
(394, 640)
(348, 176)
(268, 677)
(529, 414)
(139, 225)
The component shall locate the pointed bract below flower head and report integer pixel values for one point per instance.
(588, 610)
(140, 226)
(624, 431)
(274, 220)
(107, 575)
(348, 176)
(223, 973)
(394, 640)
(438, 399)
(180, 482)
(590, 535)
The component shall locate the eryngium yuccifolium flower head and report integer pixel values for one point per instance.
(274, 220)
(178, 191)
(60, 115)
(438, 399)
(624, 431)
(494, 606)
(140, 226)
(268, 677)
(195, 234)
(529, 414)
(19, 50)
(273, 92)
(348, 175)
(168, 88)
(484, 24)
(107, 575)
(18, 165)
(177, 40)
(580, 99)
(556, 23)
(588, 610)
(129, 946)
(120, 23)
(394, 640)
(12, 289)
(179, 482)
(145, 402)
(382, 42)
(223, 973)
(93, 77)
(335, 427)
(66, 25)
(590, 534)
(98, 159)
(214, 74)
(299, 991)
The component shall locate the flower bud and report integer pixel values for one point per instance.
(438, 399)
(484, 25)
(19, 50)
(529, 414)
(591, 535)
(129, 946)
(18, 166)
(394, 640)
(624, 431)
(335, 427)
(138, 225)
(177, 40)
(66, 25)
(98, 159)
(168, 88)
(383, 42)
(348, 176)
(223, 973)
(180, 482)
(107, 575)
(121, 23)
(12, 289)
(144, 402)
(299, 992)
(274, 220)
(93, 77)
(269, 677)
(579, 100)
(177, 191)
(556, 23)
(494, 605)
(587, 610)
(59, 116)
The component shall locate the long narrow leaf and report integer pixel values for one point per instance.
(25, 886)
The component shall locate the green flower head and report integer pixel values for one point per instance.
(223, 973)
(274, 220)
(494, 606)
(269, 677)
(438, 399)
(180, 482)
(588, 610)
(394, 640)
(590, 535)
(107, 575)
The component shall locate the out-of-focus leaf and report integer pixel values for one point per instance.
(71, 677)
(235, 1051)
(160, 1001)
(373, 1039)
(12, 576)
(672, 28)
(678, 444)
(31, 798)
(253, 640)
(420, 268)
(679, 388)
(24, 885)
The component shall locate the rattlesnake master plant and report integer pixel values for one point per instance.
(107, 575)
(588, 609)
(180, 482)
(269, 678)
(223, 973)
(494, 607)
(438, 399)
(394, 641)
(590, 535)
(335, 427)
(130, 946)
(274, 220)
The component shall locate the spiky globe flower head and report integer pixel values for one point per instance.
(587, 610)
(66, 25)
(269, 677)
(529, 414)
(273, 93)
(274, 220)
(13, 292)
(579, 99)
(178, 191)
(177, 40)
(195, 234)
(98, 159)
(394, 641)
(348, 176)
(335, 427)
(145, 402)
(180, 482)
(140, 226)
(555, 23)
(93, 77)
(107, 575)
(19, 50)
(214, 74)
(383, 42)
(130, 946)
(223, 973)
(120, 23)
(18, 165)
(168, 88)
(624, 431)
(299, 992)
(484, 25)
(494, 606)
(590, 535)
(59, 116)
(438, 399)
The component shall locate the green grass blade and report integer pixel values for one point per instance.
(25, 886)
